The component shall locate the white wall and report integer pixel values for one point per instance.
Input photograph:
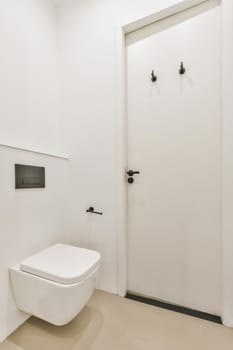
(30, 219)
(227, 243)
(88, 43)
(28, 75)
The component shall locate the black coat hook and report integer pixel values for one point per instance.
(153, 77)
(182, 70)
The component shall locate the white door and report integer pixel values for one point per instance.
(174, 140)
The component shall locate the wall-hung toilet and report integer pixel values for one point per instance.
(56, 283)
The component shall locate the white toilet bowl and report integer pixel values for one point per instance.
(55, 284)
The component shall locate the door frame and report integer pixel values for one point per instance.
(227, 144)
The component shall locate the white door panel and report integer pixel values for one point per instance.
(174, 140)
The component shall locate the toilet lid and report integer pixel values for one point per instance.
(62, 263)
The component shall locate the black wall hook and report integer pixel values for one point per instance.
(182, 70)
(153, 77)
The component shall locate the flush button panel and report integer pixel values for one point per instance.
(27, 176)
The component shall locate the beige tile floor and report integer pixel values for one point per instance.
(112, 323)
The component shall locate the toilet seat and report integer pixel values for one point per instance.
(62, 263)
(56, 283)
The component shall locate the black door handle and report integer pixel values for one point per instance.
(92, 211)
(132, 172)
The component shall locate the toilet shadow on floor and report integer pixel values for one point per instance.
(81, 333)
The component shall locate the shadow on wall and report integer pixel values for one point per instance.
(80, 333)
